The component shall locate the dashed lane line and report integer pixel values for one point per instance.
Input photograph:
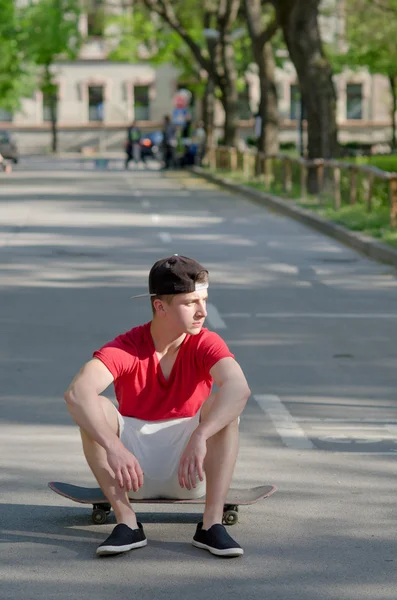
(286, 426)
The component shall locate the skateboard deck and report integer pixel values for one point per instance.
(101, 506)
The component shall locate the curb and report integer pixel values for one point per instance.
(362, 243)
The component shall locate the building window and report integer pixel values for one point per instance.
(47, 107)
(95, 18)
(95, 103)
(295, 102)
(141, 103)
(354, 101)
(5, 116)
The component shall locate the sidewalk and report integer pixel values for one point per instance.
(360, 242)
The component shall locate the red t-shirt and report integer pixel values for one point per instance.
(141, 388)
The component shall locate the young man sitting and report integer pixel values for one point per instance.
(170, 437)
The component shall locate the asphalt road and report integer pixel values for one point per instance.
(314, 326)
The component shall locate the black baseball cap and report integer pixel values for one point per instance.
(176, 275)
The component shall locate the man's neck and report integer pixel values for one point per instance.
(165, 341)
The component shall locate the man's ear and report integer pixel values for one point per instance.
(159, 306)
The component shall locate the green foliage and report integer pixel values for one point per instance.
(14, 79)
(51, 30)
(370, 37)
(142, 36)
(384, 162)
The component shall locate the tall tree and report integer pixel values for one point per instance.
(370, 42)
(262, 25)
(14, 81)
(218, 60)
(299, 22)
(51, 33)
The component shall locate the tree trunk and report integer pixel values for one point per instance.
(226, 67)
(223, 72)
(393, 82)
(225, 62)
(54, 122)
(229, 101)
(51, 89)
(263, 54)
(228, 87)
(208, 111)
(268, 141)
(299, 22)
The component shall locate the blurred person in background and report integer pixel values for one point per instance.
(187, 157)
(199, 139)
(132, 145)
(169, 143)
(4, 166)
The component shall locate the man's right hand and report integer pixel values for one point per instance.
(125, 466)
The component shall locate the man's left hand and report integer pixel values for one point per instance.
(192, 462)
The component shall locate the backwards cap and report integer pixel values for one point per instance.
(176, 275)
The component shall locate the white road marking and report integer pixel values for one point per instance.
(155, 218)
(165, 237)
(335, 431)
(349, 440)
(286, 426)
(339, 427)
(310, 315)
(145, 203)
(368, 420)
(326, 315)
(389, 453)
(214, 317)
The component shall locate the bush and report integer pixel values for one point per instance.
(355, 149)
(285, 146)
(251, 141)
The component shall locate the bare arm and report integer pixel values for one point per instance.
(230, 399)
(228, 404)
(82, 401)
(84, 406)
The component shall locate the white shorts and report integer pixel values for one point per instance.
(158, 446)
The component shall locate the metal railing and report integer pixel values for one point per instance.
(343, 182)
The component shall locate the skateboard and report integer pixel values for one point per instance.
(101, 507)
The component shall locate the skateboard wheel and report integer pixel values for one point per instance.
(230, 517)
(99, 516)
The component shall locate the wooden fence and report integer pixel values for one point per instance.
(332, 177)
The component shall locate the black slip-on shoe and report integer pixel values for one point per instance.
(122, 539)
(217, 540)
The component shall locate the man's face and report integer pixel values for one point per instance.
(187, 312)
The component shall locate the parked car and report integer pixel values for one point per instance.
(150, 144)
(8, 147)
